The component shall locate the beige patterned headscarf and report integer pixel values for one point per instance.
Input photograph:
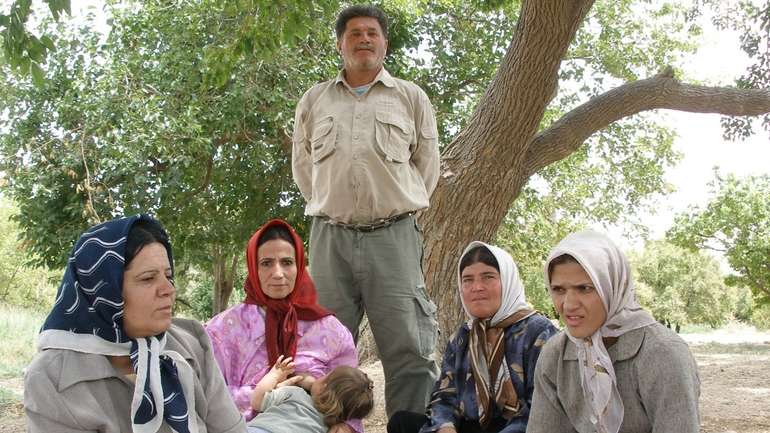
(610, 272)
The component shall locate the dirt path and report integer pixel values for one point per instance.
(735, 389)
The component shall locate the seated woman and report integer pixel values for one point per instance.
(111, 357)
(279, 317)
(615, 369)
(487, 374)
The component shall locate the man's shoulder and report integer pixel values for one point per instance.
(318, 88)
(409, 86)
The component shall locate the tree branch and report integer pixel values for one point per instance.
(661, 91)
(204, 184)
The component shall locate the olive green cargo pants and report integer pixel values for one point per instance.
(380, 273)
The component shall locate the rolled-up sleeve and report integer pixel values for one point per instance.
(301, 162)
(426, 154)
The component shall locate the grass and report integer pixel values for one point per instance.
(18, 328)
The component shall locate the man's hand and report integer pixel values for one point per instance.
(340, 428)
(447, 429)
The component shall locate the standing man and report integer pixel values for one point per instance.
(365, 157)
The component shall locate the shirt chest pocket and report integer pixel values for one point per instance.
(394, 135)
(323, 137)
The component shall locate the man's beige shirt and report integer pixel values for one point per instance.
(358, 159)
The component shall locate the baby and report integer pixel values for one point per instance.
(343, 394)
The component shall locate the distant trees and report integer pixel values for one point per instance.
(682, 287)
(736, 223)
(21, 283)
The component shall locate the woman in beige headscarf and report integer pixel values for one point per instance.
(615, 369)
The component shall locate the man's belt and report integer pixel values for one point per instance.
(368, 227)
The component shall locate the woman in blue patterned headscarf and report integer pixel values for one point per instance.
(111, 357)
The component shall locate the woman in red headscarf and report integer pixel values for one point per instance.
(279, 317)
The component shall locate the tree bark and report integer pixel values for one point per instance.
(492, 158)
(483, 168)
(224, 266)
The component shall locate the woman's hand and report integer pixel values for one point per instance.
(447, 429)
(306, 380)
(294, 380)
(340, 428)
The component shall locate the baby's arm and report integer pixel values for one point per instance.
(281, 370)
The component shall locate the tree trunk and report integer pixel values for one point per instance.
(492, 158)
(483, 169)
(224, 266)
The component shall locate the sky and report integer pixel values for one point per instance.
(718, 62)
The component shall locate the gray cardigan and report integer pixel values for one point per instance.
(67, 391)
(657, 380)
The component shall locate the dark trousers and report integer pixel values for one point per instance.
(411, 422)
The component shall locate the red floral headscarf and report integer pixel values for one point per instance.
(283, 314)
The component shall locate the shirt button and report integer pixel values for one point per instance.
(355, 137)
(358, 116)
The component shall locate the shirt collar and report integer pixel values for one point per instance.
(383, 76)
(79, 367)
(626, 347)
(83, 367)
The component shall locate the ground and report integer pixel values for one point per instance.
(733, 367)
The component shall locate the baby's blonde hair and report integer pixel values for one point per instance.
(347, 394)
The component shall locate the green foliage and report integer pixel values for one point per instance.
(20, 283)
(197, 298)
(23, 51)
(259, 30)
(751, 18)
(760, 316)
(736, 222)
(679, 287)
(129, 123)
(532, 227)
(184, 111)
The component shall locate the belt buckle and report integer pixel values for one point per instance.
(366, 228)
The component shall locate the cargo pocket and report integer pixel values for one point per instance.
(393, 135)
(426, 322)
(323, 138)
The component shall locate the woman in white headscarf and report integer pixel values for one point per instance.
(615, 369)
(487, 375)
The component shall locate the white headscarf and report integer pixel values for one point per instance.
(610, 272)
(487, 358)
(513, 298)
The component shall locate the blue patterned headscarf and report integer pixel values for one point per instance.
(87, 317)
